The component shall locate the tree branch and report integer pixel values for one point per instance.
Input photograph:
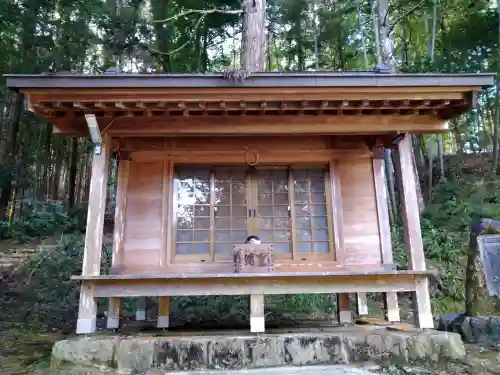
(411, 10)
(198, 23)
(203, 13)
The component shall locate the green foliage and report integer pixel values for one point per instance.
(42, 292)
(42, 219)
(445, 231)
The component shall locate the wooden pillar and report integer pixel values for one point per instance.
(115, 303)
(140, 308)
(87, 310)
(163, 312)
(344, 311)
(412, 231)
(391, 306)
(257, 317)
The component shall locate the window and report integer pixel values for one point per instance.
(230, 208)
(193, 212)
(220, 206)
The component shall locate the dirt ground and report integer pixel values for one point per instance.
(24, 351)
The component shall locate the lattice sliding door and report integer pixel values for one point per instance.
(217, 207)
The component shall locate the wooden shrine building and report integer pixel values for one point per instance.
(294, 158)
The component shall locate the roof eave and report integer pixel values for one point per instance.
(318, 79)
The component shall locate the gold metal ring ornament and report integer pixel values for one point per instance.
(255, 154)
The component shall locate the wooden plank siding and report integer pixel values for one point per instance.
(143, 223)
(361, 235)
(148, 232)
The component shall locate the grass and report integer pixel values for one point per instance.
(24, 350)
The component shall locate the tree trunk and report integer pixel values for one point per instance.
(440, 153)
(47, 159)
(393, 206)
(253, 53)
(385, 52)
(363, 37)
(10, 156)
(56, 176)
(72, 172)
(376, 31)
(494, 164)
(386, 44)
(431, 166)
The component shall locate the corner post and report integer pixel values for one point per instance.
(87, 311)
(412, 231)
(391, 306)
(115, 303)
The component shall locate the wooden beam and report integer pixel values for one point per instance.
(247, 285)
(391, 298)
(256, 125)
(252, 93)
(413, 236)
(237, 157)
(93, 236)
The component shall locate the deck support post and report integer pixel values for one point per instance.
(163, 312)
(114, 312)
(344, 311)
(140, 308)
(413, 235)
(391, 306)
(87, 311)
(257, 317)
(361, 304)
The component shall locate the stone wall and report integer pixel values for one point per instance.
(105, 354)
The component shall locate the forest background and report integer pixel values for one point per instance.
(44, 178)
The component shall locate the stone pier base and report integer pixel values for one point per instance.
(138, 354)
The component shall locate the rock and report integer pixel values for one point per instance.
(448, 322)
(85, 351)
(135, 355)
(481, 329)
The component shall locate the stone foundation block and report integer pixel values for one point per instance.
(141, 355)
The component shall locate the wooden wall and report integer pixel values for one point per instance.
(143, 218)
(148, 189)
(359, 211)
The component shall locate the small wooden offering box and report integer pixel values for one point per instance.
(253, 258)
